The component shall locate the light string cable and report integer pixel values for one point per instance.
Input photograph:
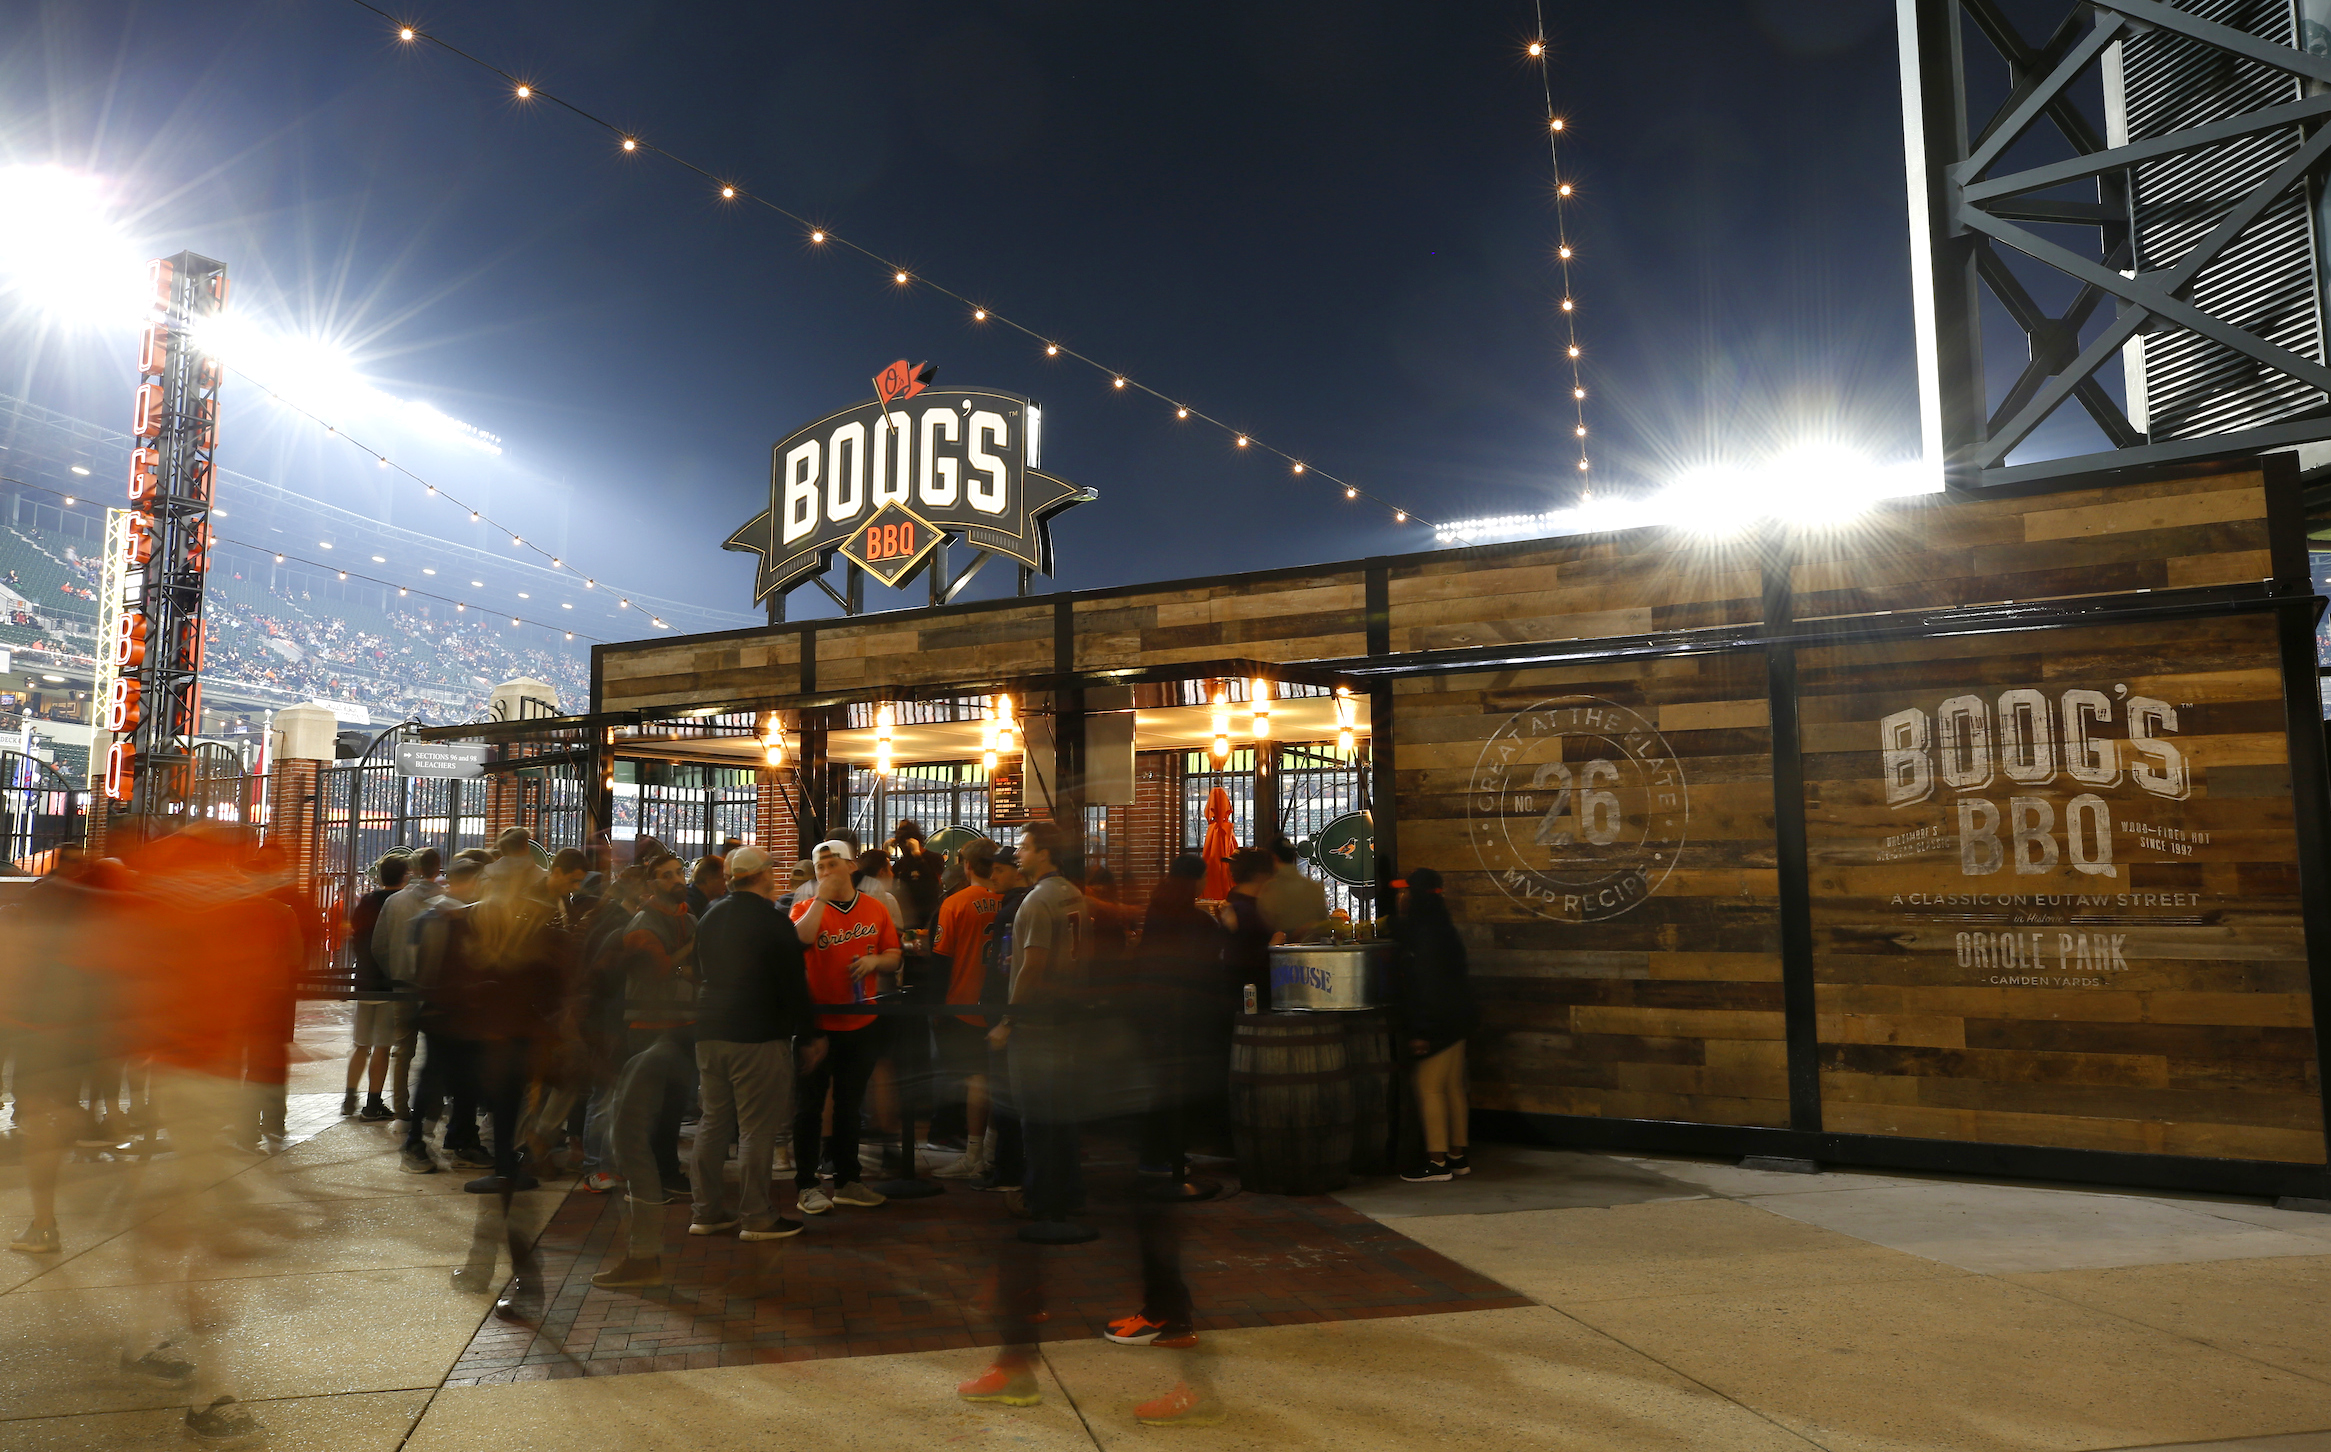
(819, 234)
(460, 605)
(1556, 127)
(476, 516)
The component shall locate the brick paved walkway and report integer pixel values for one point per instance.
(920, 1276)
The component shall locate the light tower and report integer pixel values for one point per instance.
(153, 704)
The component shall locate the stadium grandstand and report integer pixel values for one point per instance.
(280, 634)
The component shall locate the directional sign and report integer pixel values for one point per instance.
(444, 760)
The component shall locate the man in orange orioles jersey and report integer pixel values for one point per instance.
(850, 937)
(966, 921)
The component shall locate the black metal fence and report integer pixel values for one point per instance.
(40, 810)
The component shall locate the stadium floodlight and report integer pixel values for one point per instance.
(62, 251)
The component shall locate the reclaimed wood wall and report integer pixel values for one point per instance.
(1609, 829)
(1638, 978)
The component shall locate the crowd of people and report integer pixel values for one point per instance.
(520, 1015)
(403, 665)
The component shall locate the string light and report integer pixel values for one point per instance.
(525, 92)
(516, 539)
(1221, 723)
(979, 315)
(819, 235)
(884, 719)
(1299, 467)
(728, 193)
(1556, 128)
(1258, 699)
(405, 33)
(773, 741)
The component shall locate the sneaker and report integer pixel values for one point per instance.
(401, 1113)
(1180, 1407)
(1016, 1202)
(414, 1160)
(161, 1365)
(859, 1194)
(347, 1104)
(374, 1112)
(224, 1420)
(777, 1229)
(995, 1183)
(711, 1227)
(1012, 1385)
(962, 1167)
(814, 1201)
(599, 1182)
(1142, 1331)
(468, 1157)
(1458, 1166)
(502, 1184)
(37, 1240)
(1427, 1172)
(632, 1273)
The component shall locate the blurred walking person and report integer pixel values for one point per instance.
(375, 1030)
(55, 1004)
(393, 949)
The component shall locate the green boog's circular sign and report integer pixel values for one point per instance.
(1345, 850)
(1578, 809)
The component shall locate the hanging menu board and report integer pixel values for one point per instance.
(1005, 806)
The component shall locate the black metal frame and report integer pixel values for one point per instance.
(40, 809)
(1961, 215)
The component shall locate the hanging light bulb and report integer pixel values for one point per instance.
(773, 741)
(1258, 698)
(1346, 714)
(987, 738)
(1004, 726)
(883, 720)
(1221, 723)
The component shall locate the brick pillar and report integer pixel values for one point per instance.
(293, 820)
(1151, 829)
(774, 826)
(501, 804)
(305, 737)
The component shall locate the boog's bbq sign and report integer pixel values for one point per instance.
(884, 482)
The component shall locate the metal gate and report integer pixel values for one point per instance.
(935, 794)
(1317, 784)
(220, 789)
(366, 807)
(689, 808)
(40, 810)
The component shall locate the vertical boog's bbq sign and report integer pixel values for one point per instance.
(885, 481)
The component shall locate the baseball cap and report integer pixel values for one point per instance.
(747, 860)
(1008, 856)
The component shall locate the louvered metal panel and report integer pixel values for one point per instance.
(2267, 281)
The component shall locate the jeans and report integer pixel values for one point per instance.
(501, 1085)
(1044, 1090)
(449, 1072)
(652, 1089)
(748, 1095)
(851, 1055)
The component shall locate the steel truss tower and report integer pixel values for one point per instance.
(154, 702)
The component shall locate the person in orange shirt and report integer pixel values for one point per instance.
(967, 921)
(850, 937)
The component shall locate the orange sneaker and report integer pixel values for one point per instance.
(1180, 1407)
(1009, 1384)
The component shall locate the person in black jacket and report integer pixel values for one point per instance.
(752, 1006)
(1433, 1012)
(376, 1028)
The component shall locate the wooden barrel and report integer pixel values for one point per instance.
(1291, 1103)
(1368, 1052)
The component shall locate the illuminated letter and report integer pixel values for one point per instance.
(2027, 736)
(2163, 773)
(2089, 760)
(1909, 773)
(941, 476)
(987, 497)
(846, 491)
(801, 490)
(1964, 723)
(892, 483)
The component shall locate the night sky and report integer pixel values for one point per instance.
(1329, 224)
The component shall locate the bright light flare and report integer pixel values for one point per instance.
(62, 251)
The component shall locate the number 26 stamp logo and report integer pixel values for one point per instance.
(1577, 808)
